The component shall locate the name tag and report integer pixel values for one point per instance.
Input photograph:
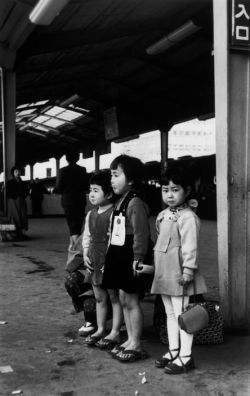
(119, 232)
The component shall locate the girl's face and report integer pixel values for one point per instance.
(17, 173)
(174, 195)
(119, 181)
(97, 196)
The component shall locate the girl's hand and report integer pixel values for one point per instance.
(87, 263)
(186, 279)
(137, 266)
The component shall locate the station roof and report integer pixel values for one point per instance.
(101, 54)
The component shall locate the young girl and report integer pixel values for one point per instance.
(176, 266)
(95, 242)
(128, 246)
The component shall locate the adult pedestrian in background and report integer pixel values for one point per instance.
(72, 184)
(17, 191)
(37, 190)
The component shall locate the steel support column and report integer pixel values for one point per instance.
(8, 96)
(232, 104)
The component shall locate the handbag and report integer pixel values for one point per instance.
(213, 334)
(195, 317)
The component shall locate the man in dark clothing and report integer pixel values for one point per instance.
(37, 190)
(72, 184)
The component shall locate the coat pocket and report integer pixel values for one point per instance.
(162, 244)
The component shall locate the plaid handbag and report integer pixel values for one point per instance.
(213, 334)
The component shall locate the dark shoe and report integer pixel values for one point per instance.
(106, 344)
(130, 355)
(163, 361)
(173, 368)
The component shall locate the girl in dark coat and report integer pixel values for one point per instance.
(17, 191)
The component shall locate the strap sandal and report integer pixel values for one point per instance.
(106, 344)
(117, 349)
(173, 368)
(131, 355)
(163, 361)
(86, 330)
(90, 341)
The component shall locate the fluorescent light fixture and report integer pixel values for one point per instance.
(25, 112)
(36, 133)
(41, 128)
(173, 38)
(46, 10)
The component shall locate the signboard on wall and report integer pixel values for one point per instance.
(239, 16)
(111, 123)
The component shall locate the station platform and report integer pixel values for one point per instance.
(41, 346)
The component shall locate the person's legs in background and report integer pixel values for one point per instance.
(74, 216)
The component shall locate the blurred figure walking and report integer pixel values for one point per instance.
(17, 191)
(72, 184)
(37, 190)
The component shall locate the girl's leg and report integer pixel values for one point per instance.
(117, 316)
(135, 320)
(186, 340)
(126, 318)
(172, 327)
(101, 310)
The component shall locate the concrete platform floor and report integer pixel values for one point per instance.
(41, 344)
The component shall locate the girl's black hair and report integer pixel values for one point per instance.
(132, 167)
(178, 175)
(103, 179)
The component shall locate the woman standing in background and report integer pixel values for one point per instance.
(17, 191)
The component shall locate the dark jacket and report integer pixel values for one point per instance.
(72, 184)
(17, 189)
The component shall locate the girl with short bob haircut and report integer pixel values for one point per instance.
(95, 243)
(128, 247)
(176, 266)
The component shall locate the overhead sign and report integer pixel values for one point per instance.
(240, 24)
(111, 124)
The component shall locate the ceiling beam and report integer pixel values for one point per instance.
(43, 43)
(55, 65)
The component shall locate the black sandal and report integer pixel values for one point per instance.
(90, 341)
(106, 344)
(131, 355)
(173, 368)
(163, 361)
(117, 349)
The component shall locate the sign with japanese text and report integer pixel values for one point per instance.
(240, 24)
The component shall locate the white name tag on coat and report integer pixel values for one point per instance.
(119, 231)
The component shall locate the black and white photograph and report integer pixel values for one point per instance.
(125, 197)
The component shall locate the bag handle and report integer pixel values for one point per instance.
(183, 290)
(195, 295)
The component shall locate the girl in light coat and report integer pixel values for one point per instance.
(176, 266)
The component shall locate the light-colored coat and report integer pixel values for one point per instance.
(176, 251)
